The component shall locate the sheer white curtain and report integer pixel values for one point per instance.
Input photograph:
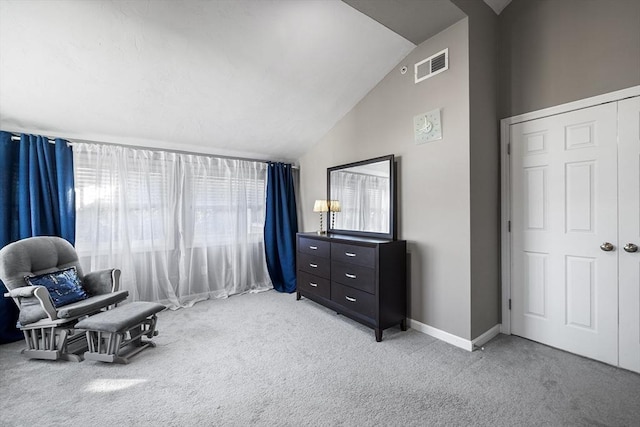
(182, 228)
(364, 201)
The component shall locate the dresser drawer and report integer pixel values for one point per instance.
(355, 276)
(353, 299)
(314, 264)
(320, 248)
(360, 255)
(314, 284)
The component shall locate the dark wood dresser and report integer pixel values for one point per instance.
(359, 277)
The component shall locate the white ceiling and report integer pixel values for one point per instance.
(263, 79)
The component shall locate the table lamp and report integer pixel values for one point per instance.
(334, 206)
(321, 206)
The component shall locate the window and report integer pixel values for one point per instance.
(181, 227)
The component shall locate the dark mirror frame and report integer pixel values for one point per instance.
(391, 235)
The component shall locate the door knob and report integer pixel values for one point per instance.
(607, 247)
(630, 247)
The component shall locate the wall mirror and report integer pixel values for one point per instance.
(362, 198)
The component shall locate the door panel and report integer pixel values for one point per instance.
(564, 206)
(629, 217)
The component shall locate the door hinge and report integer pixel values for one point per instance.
(509, 303)
(509, 226)
(509, 149)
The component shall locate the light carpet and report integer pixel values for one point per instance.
(267, 359)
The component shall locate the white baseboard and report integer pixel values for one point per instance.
(454, 339)
(487, 336)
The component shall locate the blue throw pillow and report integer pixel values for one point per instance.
(63, 286)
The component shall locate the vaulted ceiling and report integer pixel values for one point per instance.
(263, 79)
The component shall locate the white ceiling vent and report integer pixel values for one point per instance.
(431, 66)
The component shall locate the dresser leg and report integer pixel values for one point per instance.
(403, 325)
(378, 335)
(297, 296)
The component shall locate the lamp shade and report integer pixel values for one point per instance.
(334, 205)
(321, 206)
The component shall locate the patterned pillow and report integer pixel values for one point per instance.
(63, 286)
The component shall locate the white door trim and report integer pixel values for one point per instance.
(505, 180)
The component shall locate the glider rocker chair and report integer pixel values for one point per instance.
(44, 278)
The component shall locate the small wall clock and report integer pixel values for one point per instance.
(427, 127)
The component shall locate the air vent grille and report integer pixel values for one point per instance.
(435, 64)
(438, 63)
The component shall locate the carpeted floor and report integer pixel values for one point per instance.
(267, 359)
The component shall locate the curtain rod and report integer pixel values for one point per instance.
(16, 137)
(171, 150)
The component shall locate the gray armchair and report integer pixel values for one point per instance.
(48, 330)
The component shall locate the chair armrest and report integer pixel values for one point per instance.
(21, 292)
(45, 301)
(40, 293)
(102, 281)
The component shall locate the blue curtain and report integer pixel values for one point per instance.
(36, 199)
(280, 227)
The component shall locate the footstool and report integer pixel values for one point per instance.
(116, 335)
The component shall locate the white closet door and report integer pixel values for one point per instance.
(564, 207)
(629, 215)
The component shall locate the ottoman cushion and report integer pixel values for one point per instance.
(121, 318)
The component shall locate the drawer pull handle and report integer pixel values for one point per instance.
(350, 276)
(315, 285)
(313, 248)
(313, 265)
(350, 299)
(350, 254)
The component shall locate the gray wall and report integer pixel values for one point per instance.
(543, 53)
(434, 178)
(484, 149)
(553, 52)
